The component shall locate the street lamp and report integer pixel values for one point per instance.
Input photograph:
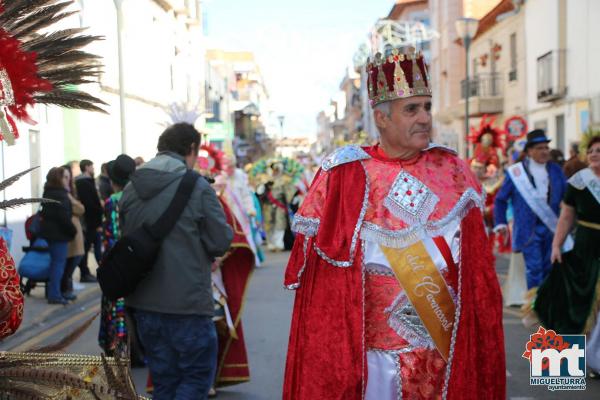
(119, 8)
(466, 29)
(281, 119)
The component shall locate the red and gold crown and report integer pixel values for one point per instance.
(397, 76)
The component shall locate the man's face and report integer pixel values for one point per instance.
(409, 125)
(90, 170)
(228, 166)
(478, 170)
(539, 153)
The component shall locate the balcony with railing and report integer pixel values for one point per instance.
(485, 94)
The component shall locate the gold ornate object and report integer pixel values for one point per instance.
(44, 376)
(397, 76)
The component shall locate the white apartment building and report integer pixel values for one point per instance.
(563, 88)
(162, 63)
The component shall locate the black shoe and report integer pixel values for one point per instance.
(69, 296)
(62, 301)
(88, 278)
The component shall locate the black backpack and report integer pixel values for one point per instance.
(133, 256)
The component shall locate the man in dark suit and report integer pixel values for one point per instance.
(88, 195)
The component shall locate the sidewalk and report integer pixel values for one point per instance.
(41, 320)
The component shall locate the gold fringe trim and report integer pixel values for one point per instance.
(235, 365)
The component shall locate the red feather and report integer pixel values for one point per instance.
(214, 159)
(22, 71)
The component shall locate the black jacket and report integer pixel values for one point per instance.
(88, 195)
(104, 187)
(56, 218)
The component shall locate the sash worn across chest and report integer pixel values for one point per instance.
(538, 205)
(426, 289)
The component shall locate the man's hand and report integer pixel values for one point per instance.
(502, 230)
(216, 264)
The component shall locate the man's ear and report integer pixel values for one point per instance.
(194, 149)
(381, 119)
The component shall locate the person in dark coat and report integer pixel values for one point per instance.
(104, 184)
(574, 164)
(57, 228)
(88, 195)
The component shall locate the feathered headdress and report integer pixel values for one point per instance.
(182, 112)
(38, 65)
(210, 159)
(289, 167)
(486, 154)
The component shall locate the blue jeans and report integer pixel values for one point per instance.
(537, 255)
(181, 351)
(58, 260)
(66, 284)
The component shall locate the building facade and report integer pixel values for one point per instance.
(161, 63)
(563, 89)
(447, 66)
(498, 69)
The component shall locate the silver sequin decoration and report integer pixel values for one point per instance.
(8, 98)
(344, 155)
(363, 343)
(405, 321)
(455, 328)
(408, 236)
(396, 354)
(296, 285)
(410, 199)
(305, 225)
(376, 269)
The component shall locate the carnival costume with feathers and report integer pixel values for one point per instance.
(41, 66)
(488, 157)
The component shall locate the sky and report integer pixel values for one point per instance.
(302, 47)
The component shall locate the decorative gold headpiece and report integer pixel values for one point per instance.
(397, 76)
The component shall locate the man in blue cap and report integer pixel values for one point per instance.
(535, 187)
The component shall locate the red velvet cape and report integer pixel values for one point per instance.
(236, 270)
(326, 355)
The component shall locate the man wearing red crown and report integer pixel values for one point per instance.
(396, 294)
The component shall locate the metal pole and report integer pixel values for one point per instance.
(118, 5)
(467, 41)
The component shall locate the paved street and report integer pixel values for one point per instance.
(266, 324)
